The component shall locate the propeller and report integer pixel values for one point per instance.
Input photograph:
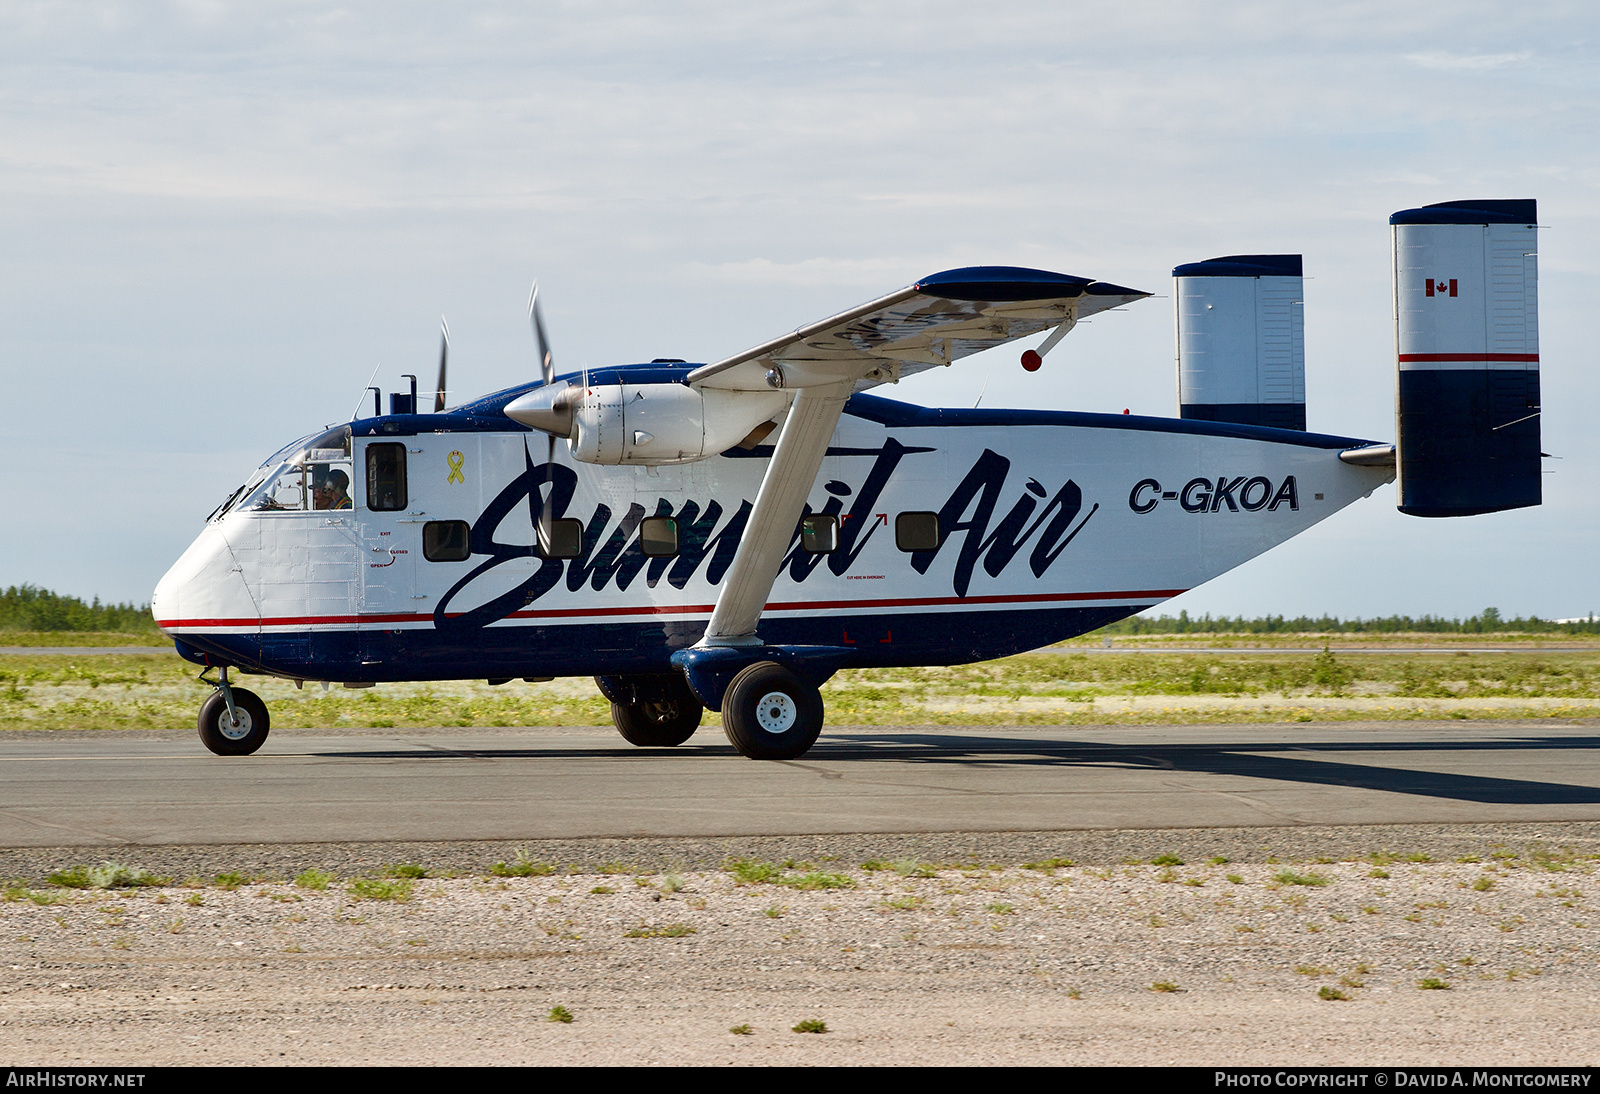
(548, 408)
(547, 369)
(547, 361)
(444, 358)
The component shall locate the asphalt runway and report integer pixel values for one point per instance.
(564, 784)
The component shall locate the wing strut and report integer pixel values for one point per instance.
(795, 462)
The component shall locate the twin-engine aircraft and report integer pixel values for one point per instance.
(729, 535)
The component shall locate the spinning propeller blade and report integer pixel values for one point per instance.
(547, 369)
(444, 357)
(547, 361)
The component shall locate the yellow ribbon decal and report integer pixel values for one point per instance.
(456, 460)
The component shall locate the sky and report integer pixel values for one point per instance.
(218, 219)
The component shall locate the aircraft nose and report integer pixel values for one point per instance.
(205, 584)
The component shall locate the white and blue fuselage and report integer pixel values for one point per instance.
(1051, 524)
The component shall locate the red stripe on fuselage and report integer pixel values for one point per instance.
(682, 609)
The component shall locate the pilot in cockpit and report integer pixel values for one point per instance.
(331, 491)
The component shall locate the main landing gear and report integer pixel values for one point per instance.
(233, 721)
(770, 712)
(652, 711)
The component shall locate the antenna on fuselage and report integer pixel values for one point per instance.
(377, 398)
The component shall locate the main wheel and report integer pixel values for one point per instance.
(226, 737)
(771, 713)
(667, 718)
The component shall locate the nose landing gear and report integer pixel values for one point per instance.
(233, 721)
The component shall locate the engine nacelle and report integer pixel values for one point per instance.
(664, 423)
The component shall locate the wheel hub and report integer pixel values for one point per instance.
(776, 712)
(234, 730)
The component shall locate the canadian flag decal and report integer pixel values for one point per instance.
(1440, 288)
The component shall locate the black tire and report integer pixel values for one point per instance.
(216, 732)
(771, 713)
(664, 720)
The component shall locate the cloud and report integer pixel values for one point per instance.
(1438, 59)
(807, 272)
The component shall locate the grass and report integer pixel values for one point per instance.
(522, 867)
(559, 1013)
(397, 890)
(816, 880)
(751, 872)
(313, 879)
(670, 930)
(143, 691)
(811, 1025)
(108, 875)
(742, 1030)
(1289, 877)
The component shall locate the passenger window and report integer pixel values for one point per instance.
(658, 536)
(819, 533)
(386, 477)
(560, 538)
(446, 541)
(917, 531)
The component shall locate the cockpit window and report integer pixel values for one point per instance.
(313, 473)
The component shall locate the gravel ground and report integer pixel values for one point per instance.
(951, 951)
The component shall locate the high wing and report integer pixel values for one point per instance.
(937, 321)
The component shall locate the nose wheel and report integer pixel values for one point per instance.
(233, 721)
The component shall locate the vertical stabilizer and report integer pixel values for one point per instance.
(1241, 340)
(1466, 306)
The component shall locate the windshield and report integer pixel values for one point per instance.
(312, 473)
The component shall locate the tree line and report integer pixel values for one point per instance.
(28, 608)
(1485, 622)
